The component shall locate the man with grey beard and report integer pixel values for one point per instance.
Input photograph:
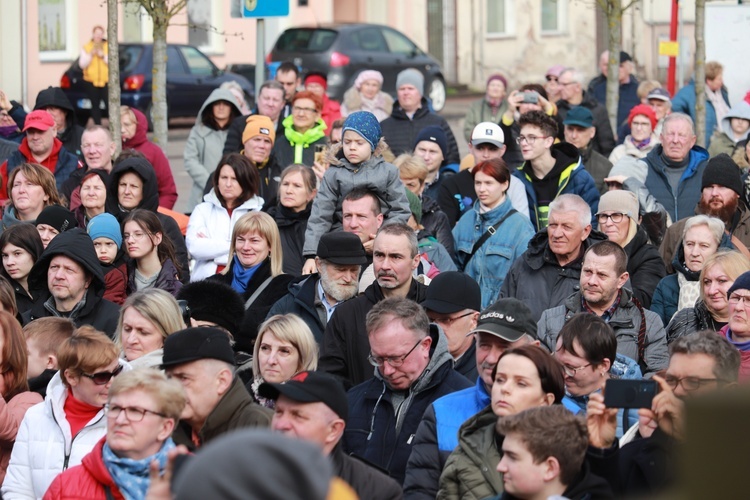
(314, 297)
(346, 346)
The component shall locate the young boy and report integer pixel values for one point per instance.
(543, 456)
(43, 337)
(735, 128)
(358, 163)
(550, 169)
(104, 230)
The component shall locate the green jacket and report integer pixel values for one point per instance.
(470, 472)
(236, 410)
(480, 111)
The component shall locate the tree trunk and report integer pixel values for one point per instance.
(159, 110)
(700, 72)
(614, 39)
(113, 84)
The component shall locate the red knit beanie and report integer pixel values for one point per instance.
(645, 110)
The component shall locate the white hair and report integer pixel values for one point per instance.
(572, 203)
(575, 75)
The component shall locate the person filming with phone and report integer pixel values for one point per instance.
(700, 363)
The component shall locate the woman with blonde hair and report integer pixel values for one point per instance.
(254, 270)
(146, 319)
(285, 346)
(711, 311)
(31, 187)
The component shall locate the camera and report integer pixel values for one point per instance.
(530, 98)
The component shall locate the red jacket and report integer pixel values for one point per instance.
(86, 481)
(331, 111)
(156, 157)
(744, 357)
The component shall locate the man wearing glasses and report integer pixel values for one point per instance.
(737, 331)
(550, 169)
(413, 368)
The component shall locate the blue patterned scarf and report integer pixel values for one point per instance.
(132, 476)
(241, 276)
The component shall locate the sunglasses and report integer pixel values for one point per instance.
(102, 378)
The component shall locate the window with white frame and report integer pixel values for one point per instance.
(58, 30)
(498, 17)
(554, 16)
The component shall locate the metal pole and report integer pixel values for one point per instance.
(680, 59)
(24, 54)
(672, 37)
(260, 59)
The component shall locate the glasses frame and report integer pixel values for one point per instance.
(673, 382)
(530, 140)
(571, 372)
(98, 376)
(602, 218)
(736, 299)
(450, 321)
(394, 361)
(307, 111)
(114, 411)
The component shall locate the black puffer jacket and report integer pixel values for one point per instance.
(400, 131)
(345, 344)
(257, 312)
(292, 226)
(645, 266)
(436, 222)
(97, 312)
(143, 169)
(537, 279)
(71, 136)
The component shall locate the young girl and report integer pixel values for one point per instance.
(153, 263)
(357, 163)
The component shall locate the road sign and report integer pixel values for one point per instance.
(265, 8)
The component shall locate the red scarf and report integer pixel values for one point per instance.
(78, 413)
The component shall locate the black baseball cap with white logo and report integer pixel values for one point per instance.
(510, 319)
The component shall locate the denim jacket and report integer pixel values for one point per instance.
(493, 259)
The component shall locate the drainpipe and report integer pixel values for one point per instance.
(24, 54)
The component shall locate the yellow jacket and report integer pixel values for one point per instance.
(95, 68)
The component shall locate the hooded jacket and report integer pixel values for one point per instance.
(71, 136)
(213, 220)
(76, 245)
(437, 436)
(626, 323)
(150, 201)
(156, 157)
(292, 226)
(383, 434)
(374, 174)
(684, 102)
(87, 480)
(400, 131)
(235, 410)
(492, 261)
(345, 344)
(204, 146)
(60, 162)
(725, 141)
(539, 281)
(604, 140)
(572, 179)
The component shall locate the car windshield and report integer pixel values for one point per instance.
(306, 40)
(129, 55)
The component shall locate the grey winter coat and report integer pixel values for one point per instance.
(626, 322)
(204, 147)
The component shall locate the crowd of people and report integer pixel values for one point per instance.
(415, 324)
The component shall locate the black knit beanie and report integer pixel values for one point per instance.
(722, 170)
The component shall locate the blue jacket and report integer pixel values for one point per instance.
(682, 203)
(437, 437)
(684, 102)
(492, 261)
(574, 179)
(371, 431)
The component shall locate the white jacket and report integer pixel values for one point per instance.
(212, 219)
(44, 446)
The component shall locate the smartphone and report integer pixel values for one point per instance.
(629, 393)
(319, 150)
(530, 98)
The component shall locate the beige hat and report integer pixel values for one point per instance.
(620, 201)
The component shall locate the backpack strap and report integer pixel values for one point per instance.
(257, 292)
(641, 334)
(490, 231)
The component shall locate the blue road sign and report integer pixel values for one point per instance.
(265, 8)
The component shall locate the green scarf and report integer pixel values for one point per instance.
(302, 140)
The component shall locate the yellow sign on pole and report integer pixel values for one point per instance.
(669, 48)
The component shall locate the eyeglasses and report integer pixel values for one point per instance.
(102, 378)
(132, 413)
(565, 84)
(450, 321)
(690, 383)
(137, 236)
(550, 78)
(297, 109)
(736, 299)
(394, 361)
(571, 372)
(616, 217)
(640, 124)
(530, 140)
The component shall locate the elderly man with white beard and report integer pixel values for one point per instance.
(314, 297)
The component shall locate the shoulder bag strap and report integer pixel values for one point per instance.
(257, 292)
(490, 231)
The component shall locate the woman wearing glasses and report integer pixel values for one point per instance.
(524, 377)
(153, 263)
(641, 140)
(618, 218)
(141, 412)
(57, 434)
(285, 346)
(303, 130)
(737, 331)
(147, 318)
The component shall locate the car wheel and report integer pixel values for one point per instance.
(437, 93)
